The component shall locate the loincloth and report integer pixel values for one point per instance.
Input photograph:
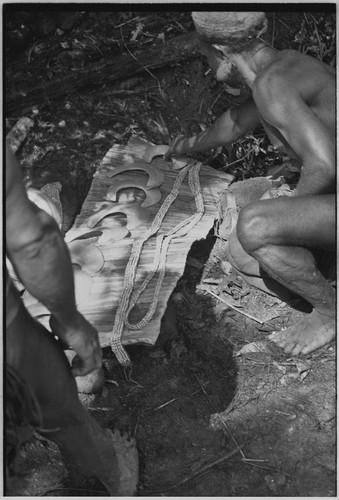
(241, 193)
(12, 300)
(22, 410)
(22, 416)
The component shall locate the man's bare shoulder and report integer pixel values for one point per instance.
(292, 73)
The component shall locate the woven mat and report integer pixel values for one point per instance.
(101, 305)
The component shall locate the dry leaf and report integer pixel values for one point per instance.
(114, 382)
(179, 163)
(280, 367)
(286, 378)
(254, 347)
(18, 133)
(232, 91)
(303, 366)
(137, 32)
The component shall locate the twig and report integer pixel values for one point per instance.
(201, 471)
(233, 307)
(126, 92)
(221, 418)
(102, 408)
(127, 22)
(216, 99)
(243, 157)
(321, 45)
(95, 44)
(273, 29)
(174, 399)
(137, 60)
(165, 404)
(261, 467)
(61, 488)
(136, 425)
(31, 50)
(114, 382)
(180, 26)
(289, 29)
(253, 460)
(255, 465)
(210, 466)
(225, 343)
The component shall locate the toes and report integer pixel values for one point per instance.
(282, 343)
(309, 348)
(275, 336)
(124, 437)
(287, 343)
(278, 340)
(297, 350)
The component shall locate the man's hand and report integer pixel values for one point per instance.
(83, 339)
(276, 192)
(179, 146)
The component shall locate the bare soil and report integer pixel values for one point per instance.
(207, 422)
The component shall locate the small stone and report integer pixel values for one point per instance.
(269, 480)
(178, 297)
(226, 267)
(91, 383)
(104, 392)
(280, 479)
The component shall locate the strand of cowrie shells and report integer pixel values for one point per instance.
(129, 298)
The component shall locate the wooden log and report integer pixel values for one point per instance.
(127, 65)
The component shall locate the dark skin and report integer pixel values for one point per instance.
(293, 97)
(41, 260)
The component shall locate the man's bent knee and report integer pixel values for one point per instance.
(240, 259)
(252, 227)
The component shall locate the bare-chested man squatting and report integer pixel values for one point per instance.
(293, 97)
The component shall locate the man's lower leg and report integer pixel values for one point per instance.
(84, 443)
(295, 268)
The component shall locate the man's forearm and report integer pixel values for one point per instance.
(228, 128)
(47, 256)
(315, 180)
(221, 133)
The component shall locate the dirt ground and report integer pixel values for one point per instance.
(208, 420)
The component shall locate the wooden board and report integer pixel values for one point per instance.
(100, 307)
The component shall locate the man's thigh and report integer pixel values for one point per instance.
(297, 221)
(39, 359)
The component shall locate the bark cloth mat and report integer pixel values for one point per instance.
(110, 226)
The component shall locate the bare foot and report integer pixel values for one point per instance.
(311, 333)
(128, 462)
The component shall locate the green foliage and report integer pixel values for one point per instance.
(311, 33)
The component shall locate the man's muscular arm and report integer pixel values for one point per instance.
(228, 128)
(41, 260)
(282, 106)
